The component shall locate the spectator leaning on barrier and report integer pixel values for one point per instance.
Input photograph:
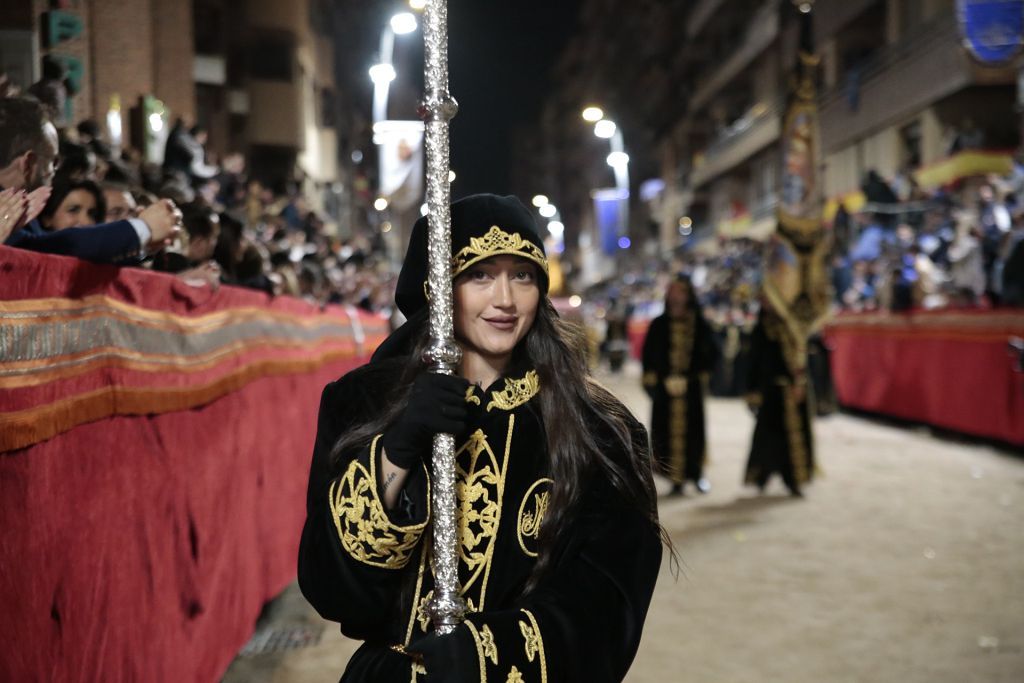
(73, 204)
(120, 202)
(28, 160)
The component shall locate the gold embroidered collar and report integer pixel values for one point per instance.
(515, 393)
(497, 242)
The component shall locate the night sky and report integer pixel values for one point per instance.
(499, 56)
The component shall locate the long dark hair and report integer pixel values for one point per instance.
(591, 424)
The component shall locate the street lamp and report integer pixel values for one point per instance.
(605, 129)
(611, 206)
(396, 141)
(383, 72)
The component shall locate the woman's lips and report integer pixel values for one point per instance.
(503, 324)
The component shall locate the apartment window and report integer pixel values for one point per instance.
(208, 23)
(270, 58)
(328, 108)
(910, 144)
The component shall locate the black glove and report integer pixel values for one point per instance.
(436, 404)
(448, 659)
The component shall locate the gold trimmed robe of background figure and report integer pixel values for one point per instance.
(780, 393)
(677, 355)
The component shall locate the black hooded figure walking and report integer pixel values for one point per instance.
(559, 540)
(678, 352)
(781, 396)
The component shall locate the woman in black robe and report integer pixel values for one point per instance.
(779, 393)
(678, 352)
(559, 541)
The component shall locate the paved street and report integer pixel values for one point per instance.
(904, 563)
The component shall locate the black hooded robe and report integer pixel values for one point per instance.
(677, 353)
(369, 569)
(782, 441)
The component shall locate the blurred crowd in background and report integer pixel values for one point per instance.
(236, 230)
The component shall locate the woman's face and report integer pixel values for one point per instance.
(495, 305)
(78, 209)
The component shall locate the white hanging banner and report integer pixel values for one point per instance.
(401, 162)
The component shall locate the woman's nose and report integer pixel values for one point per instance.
(502, 292)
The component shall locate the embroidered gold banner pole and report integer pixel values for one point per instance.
(443, 354)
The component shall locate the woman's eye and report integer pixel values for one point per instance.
(477, 275)
(524, 275)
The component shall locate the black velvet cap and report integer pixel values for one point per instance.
(483, 225)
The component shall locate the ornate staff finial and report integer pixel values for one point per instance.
(443, 354)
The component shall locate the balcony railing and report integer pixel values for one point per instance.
(758, 128)
(898, 81)
(762, 30)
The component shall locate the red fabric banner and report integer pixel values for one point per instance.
(948, 369)
(141, 538)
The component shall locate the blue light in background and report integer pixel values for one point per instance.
(624, 243)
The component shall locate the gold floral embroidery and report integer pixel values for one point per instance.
(516, 392)
(496, 242)
(530, 640)
(530, 519)
(423, 611)
(537, 642)
(476, 490)
(490, 648)
(514, 676)
(364, 529)
(480, 489)
(470, 398)
(480, 640)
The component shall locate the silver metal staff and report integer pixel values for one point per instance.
(443, 354)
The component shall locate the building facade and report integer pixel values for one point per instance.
(700, 89)
(258, 75)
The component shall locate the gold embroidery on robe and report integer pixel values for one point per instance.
(516, 392)
(514, 676)
(537, 642)
(364, 529)
(481, 648)
(531, 514)
(488, 645)
(530, 639)
(470, 398)
(479, 489)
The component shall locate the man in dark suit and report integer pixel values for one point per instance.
(28, 160)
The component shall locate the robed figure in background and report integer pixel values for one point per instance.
(678, 352)
(778, 392)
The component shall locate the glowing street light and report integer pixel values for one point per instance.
(593, 114)
(418, 5)
(382, 74)
(604, 128)
(403, 22)
(548, 210)
(380, 203)
(556, 228)
(539, 200)
(618, 159)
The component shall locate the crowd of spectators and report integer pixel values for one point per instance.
(67, 191)
(961, 247)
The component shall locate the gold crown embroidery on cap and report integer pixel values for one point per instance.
(494, 243)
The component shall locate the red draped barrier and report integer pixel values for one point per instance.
(948, 369)
(154, 451)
